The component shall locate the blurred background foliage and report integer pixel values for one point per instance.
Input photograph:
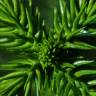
(46, 8)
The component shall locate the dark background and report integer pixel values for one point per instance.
(46, 8)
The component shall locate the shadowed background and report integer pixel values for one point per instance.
(46, 8)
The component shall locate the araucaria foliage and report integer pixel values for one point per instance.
(60, 61)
